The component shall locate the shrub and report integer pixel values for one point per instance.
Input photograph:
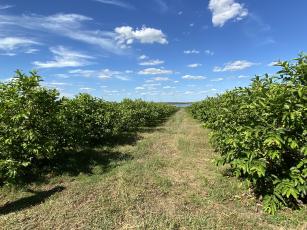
(261, 132)
(28, 125)
(36, 126)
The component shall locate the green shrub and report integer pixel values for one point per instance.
(261, 132)
(87, 120)
(36, 126)
(28, 125)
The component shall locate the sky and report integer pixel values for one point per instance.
(157, 50)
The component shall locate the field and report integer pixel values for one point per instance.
(164, 178)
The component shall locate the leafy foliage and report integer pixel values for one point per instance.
(261, 132)
(37, 126)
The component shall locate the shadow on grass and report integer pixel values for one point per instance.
(38, 197)
(73, 163)
(128, 138)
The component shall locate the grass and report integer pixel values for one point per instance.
(164, 180)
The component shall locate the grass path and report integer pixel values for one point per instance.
(168, 182)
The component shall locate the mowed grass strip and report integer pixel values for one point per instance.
(166, 180)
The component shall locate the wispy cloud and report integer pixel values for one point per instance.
(193, 51)
(116, 3)
(194, 65)
(162, 5)
(143, 57)
(87, 89)
(169, 87)
(67, 25)
(151, 62)
(154, 71)
(4, 7)
(273, 63)
(64, 57)
(224, 10)
(11, 45)
(243, 76)
(209, 52)
(101, 73)
(191, 77)
(161, 79)
(234, 66)
(217, 79)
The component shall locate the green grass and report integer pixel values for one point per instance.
(164, 180)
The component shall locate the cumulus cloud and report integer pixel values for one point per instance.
(191, 77)
(234, 66)
(64, 57)
(224, 10)
(195, 65)
(191, 51)
(125, 36)
(154, 71)
(151, 62)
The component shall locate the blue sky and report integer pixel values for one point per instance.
(160, 50)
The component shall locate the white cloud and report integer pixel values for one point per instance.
(139, 88)
(10, 54)
(87, 89)
(218, 79)
(31, 51)
(154, 71)
(4, 7)
(64, 57)
(126, 36)
(191, 24)
(9, 44)
(243, 76)
(209, 52)
(234, 66)
(162, 5)
(57, 84)
(102, 74)
(161, 79)
(189, 92)
(180, 13)
(152, 62)
(67, 25)
(191, 51)
(195, 65)
(191, 77)
(168, 87)
(116, 3)
(224, 10)
(273, 63)
(143, 57)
